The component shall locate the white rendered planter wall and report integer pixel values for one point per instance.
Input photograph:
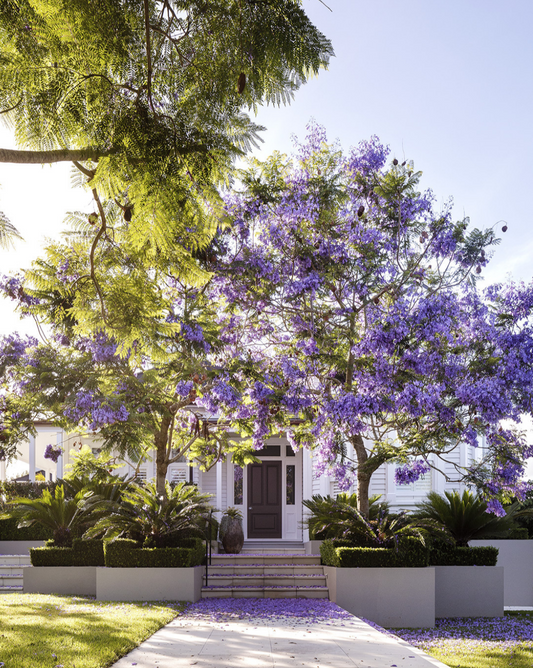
(516, 557)
(469, 591)
(312, 546)
(390, 597)
(62, 580)
(149, 584)
(19, 546)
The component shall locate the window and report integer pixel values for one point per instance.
(290, 484)
(237, 486)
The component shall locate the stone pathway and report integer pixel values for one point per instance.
(255, 633)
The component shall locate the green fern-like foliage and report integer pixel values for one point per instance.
(465, 516)
(8, 232)
(155, 93)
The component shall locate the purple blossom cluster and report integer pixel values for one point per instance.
(13, 287)
(101, 348)
(52, 453)
(411, 472)
(65, 274)
(96, 411)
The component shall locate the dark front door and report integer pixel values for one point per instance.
(264, 500)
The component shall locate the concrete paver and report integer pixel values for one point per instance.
(283, 643)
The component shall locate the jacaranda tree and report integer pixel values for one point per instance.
(127, 367)
(358, 297)
(149, 99)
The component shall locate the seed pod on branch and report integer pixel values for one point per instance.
(241, 84)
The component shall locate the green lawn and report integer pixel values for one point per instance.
(38, 631)
(502, 642)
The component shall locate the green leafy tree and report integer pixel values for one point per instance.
(148, 98)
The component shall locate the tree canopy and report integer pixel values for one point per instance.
(149, 98)
(358, 295)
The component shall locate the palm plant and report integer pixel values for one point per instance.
(328, 513)
(155, 520)
(340, 519)
(465, 516)
(63, 515)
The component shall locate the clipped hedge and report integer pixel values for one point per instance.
(82, 553)
(125, 553)
(463, 556)
(410, 554)
(10, 531)
(12, 489)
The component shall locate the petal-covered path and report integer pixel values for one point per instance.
(272, 633)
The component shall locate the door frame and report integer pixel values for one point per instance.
(291, 515)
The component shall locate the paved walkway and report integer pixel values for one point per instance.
(279, 642)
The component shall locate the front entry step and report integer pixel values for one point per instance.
(265, 576)
(273, 547)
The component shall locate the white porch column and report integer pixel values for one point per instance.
(32, 459)
(307, 486)
(218, 497)
(59, 464)
(2, 470)
(390, 483)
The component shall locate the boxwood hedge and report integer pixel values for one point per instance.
(410, 554)
(124, 553)
(463, 556)
(82, 553)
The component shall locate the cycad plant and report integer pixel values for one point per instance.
(154, 519)
(465, 516)
(340, 519)
(327, 513)
(63, 515)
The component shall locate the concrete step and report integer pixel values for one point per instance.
(266, 580)
(15, 559)
(265, 569)
(265, 592)
(10, 580)
(268, 559)
(252, 546)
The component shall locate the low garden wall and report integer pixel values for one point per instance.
(516, 558)
(390, 597)
(469, 591)
(149, 584)
(19, 546)
(62, 580)
(116, 584)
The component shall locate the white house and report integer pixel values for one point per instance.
(269, 495)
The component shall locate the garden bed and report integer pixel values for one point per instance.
(149, 584)
(61, 580)
(469, 591)
(391, 597)
(516, 557)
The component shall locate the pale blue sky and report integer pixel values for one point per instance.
(446, 84)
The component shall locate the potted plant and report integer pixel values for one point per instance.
(231, 532)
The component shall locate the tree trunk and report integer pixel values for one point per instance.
(47, 157)
(162, 455)
(366, 465)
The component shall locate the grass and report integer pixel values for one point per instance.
(501, 642)
(38, 631)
